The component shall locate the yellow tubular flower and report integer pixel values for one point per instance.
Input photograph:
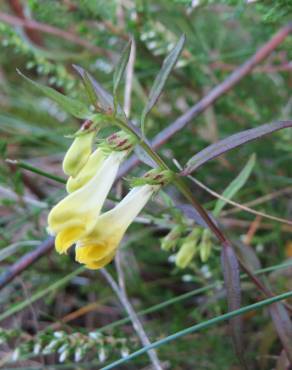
(94, 162)
(75, 216)
(78, 153)
(98, 248)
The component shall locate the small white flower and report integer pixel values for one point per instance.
(101, 355)
(37, 348)
(206, 271)
(172, 258)
(95, 335)
(63, 356)
(15, 354)
(78, 354)
(59, 334)
(124, 352)
(63, 348)
(187, 278)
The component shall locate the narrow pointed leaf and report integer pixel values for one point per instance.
(235, 185)
(232, 285)
(191, 213)
(283, 326)
(70, 105)
(104, 98)
(144, 157)
(231, 142)
(247, 254)
(91, 93)
(121, 66)
(160, 80)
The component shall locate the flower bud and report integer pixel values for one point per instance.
(205, 246)
(78, 153)
(121, 141)
(171, 239)
(90, 168)
(188, 249)
(158, 176)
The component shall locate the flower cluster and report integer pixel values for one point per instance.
(189, 244)
(77, 218)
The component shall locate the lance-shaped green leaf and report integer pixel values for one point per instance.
(96, 92)
(160, 80)
(70, 105)
(214, 150)
(235, 185)
(121, 66)
(232, 285)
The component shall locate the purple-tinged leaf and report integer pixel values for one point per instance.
(232, 284)
(160, 80)
(282, 362)
(283, 326)
(121, 66)
(191, 213)
(247, 255)
(214, 150)
(104, 98)
(144, 157)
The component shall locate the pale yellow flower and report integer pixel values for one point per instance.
(188, 249)
(75, 216)
(90, 168)
(78, 153)
(98, 248)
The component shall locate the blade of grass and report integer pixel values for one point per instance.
(202, 325)
(29, 167)
(190, 294)
(20, 306)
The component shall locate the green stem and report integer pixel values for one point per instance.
(177, 181)
(185, 191)
(200, 326)
(187, 295)
(34, 169)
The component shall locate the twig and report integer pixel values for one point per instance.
(242, 224)
(259, 200)
(8, 193)
(285, 67)
(252, 230)
(28, 181)
(241, 206)
(46, 28)
(214, 94)
(121, 293)
(24, 262)
(17, 8)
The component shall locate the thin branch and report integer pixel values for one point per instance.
(8, 193)
(241, 206)
(28, 259)
(46, 28)
(237, 75)
(285, 67)
(120, 292)
(259, 200)
(231, 223)
(17, 8)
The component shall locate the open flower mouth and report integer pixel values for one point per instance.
(66, 238)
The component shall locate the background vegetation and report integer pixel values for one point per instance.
(52, 314)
